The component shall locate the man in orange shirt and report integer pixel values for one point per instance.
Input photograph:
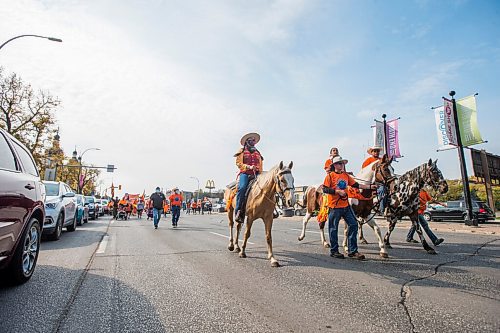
(423, 199)
(375, 155)
(175, 205)
(335, 185)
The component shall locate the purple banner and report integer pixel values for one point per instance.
(392, 137)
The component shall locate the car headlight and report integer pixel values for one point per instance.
(51, 205)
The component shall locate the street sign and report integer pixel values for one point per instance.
(110, 168)
(493, 166)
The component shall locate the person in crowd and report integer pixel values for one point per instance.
(157, 200)
(175, 205)
(140, 207)
(250, 163)
(424, 198)
(335, 185)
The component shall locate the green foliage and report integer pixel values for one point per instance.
(478, 192)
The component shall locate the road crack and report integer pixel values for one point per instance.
(405, 290)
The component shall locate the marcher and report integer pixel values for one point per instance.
(323, 211)
(175, 206)
(250, 162)
(194, 206)
(423, 199)
(115, 207)
(335, 185)
(328, 163)
(140, 208)
(157, 199)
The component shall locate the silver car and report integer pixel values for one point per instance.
(60, 209)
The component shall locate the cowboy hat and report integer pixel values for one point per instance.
(175, 188)
(369, 150)
(250, 135)
(338, 159)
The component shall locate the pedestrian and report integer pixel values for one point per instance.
(335, 185)
(140, 208)
(328, 163)
(157, 200)
(115, 207)
(175, 206)
(424, 198)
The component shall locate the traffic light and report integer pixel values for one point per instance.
(119, 187)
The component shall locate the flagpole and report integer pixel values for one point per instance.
(385, 135)
(469, 220)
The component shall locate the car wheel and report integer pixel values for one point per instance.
(72, 226)
(427, 217)
(58, 230)
(23, 262)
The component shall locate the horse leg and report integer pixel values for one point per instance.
(268, 223)
(245, 237)
(362, 239)
(230, 217)
(392, 224)
(416, 224)
(376, 230)
(344, 242)
(237, 237)
(304, 225)
(322, 235)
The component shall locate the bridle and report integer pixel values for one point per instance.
(281, 192)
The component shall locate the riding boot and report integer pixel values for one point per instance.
(240, 216)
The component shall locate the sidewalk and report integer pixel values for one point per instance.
(489, 228)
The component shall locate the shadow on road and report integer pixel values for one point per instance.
(100, 304)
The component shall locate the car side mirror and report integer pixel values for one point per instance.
(69, 195)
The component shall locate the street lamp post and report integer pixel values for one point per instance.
(198, 190)
(79, 160)
(45, 37)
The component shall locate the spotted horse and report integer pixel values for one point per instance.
(403, 197)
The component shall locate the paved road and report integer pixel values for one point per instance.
(138, 279)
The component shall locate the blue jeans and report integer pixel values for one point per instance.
(382, 198)
(425, 226)
(242, 188)
(156, 216)
(334, 216)
(176, 212)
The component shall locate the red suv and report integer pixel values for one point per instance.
(21, 210)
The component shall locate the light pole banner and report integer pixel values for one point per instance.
(443, 142)
(449, 122)
(378, 135)
(392, 138)
(467, 119)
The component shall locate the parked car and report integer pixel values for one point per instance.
(91, 204)
(21, 210)
(98, 207)
(455, 210)
(60, 209)
(104, 203)
(82, 211)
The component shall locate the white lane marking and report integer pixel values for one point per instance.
(214, 233)
(314, 232)
(103, 244)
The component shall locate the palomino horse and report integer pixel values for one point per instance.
(404, 197)
(260, 204)
(372, 173)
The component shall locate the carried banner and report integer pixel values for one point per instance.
(467, 120)
(378, 135)
(443, 141)
(392, 135)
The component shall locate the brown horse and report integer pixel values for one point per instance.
(261, 202)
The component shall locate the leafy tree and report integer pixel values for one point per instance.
(26, 114)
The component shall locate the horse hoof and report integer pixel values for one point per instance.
(243, 255)
(431, 251)
(389, 246)
(275, 264)
(230, 248)
(327, 246)
(237, 249)
(363, 241)
(384, 255)
(300, 238)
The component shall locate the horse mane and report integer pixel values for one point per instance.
(414, 173)
(266, 177)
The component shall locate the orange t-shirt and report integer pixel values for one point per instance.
(175, 199)
(332, 180)
(328, 163)
(423, 198)
(369, 161)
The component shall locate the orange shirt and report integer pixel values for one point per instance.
(332, 180)
(423, 198)
(369, 161)
(175, 199)
(328, 164)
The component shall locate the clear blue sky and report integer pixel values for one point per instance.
(182, 81)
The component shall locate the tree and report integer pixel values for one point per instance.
(26, 115)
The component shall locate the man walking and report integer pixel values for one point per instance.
(157, 199)
(423, 199)
(175, 206)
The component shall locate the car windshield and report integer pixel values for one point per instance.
(89, 200)
(52, 190)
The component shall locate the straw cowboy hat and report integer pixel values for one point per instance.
(338, 159)
(175, 188)
(369, 151)
(245, 137)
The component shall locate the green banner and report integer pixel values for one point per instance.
(467, 120)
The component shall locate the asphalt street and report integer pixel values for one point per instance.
(125, 276)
